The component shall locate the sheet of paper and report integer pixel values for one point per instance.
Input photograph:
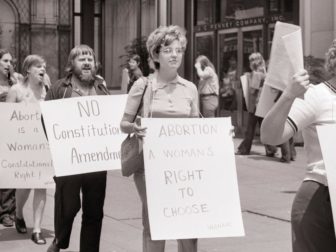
(185, 164)
(327, 139)
(286, 55)
(84, 133)
(25, 159)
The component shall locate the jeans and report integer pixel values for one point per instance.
(184, 245)
(312, 220)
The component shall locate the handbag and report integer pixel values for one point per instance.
(131, 157)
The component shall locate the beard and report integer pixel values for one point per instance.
(87, 79)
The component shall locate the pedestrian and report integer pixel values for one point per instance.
(80, 81)
(31, 90)
(134, 71)
(170, 96)
(7, 79)
(302, 106)
(208, 87)
(256, 80)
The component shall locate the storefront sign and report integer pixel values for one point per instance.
(25, 160)
(239, 23)
(191, 179)
(84, 133)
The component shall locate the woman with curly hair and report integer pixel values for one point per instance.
(311, 217)
(171, 97)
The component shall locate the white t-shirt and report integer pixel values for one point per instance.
(317, 108)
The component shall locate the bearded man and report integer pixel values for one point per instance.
(81, 80)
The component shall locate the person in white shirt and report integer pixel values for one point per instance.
(302, 106)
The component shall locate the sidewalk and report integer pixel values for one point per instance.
(267, 188)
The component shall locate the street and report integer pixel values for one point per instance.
(267, 188)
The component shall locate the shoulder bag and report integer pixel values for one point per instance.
(131, 156)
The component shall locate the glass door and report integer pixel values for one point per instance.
(252, 42)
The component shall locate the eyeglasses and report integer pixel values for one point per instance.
(169, 50)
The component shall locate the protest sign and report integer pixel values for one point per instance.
(266, 100)
(191, 179)
(286, 55)
(25, 160)
(327, 139)
(84, 133)
(245, 87)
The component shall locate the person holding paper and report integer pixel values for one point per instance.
(81, 80)
(208, 87)
(167, 96)
(32, 89)
(256, 80)
(7, 79)
(302, 106)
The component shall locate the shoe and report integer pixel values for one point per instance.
(53, 247)
(242, 153)
(270, 154)
(7, 221)
(20, 225)
(38, 238)
(284, 160)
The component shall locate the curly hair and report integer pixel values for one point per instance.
(330, 59)
(256, 61)
(164, 36)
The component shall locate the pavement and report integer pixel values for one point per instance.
(267, 188)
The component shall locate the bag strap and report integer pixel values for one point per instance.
(142, 96)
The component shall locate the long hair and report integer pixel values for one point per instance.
(204, 61)
(11, 79)
(75, 52)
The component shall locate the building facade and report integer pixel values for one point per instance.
(227, 31)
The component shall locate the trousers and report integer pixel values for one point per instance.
(312, 220)
(7, 202)
(148, 245)
(68, 203)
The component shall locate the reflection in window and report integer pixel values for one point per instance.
(252, 42)
(241, 9)
(228, 55)
(205, 12)
(204, 46)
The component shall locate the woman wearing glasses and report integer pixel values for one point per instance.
(170, 97)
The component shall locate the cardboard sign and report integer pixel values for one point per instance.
(191, 179)
(266, 101)
(327, 138)
(286, 55)
(84, 133)
(25, 160)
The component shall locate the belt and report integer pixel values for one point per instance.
(204, 95)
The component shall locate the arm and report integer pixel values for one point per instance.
(275, 128)
(128, 123)
(202, 73)
(12, 95)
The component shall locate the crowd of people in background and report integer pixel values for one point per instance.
(166, 94)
